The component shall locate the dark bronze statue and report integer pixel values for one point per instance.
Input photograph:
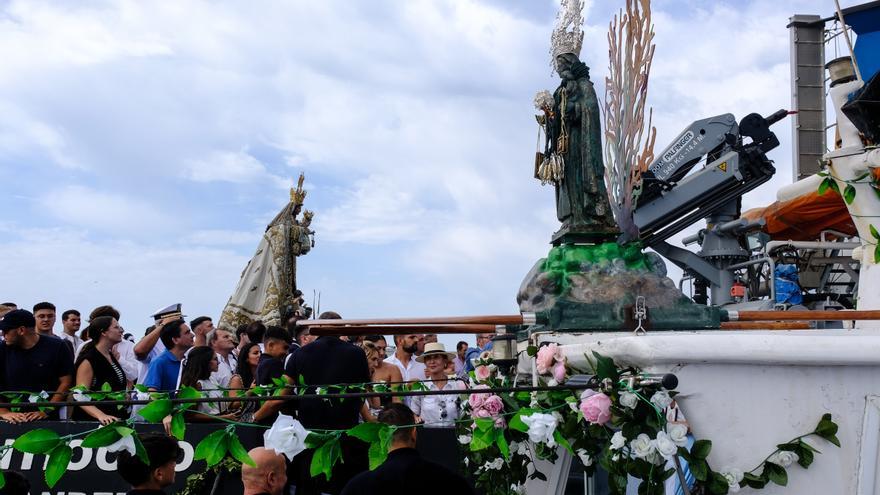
(574, 134)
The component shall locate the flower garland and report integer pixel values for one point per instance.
(613, 424)
(616, 426)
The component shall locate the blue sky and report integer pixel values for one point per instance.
(144, 146)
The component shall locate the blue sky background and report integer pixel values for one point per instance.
(144, 146)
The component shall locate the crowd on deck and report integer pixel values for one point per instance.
(173, 354)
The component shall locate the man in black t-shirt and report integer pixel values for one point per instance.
(32, 363)
(327, 361)
(276, 340)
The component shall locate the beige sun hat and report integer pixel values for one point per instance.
(432, 349)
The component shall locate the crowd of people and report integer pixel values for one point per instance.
(174, 353)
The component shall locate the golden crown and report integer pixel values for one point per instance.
(298, 195)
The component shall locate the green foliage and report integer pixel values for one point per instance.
(237, 450)
(155, 411)
(40, 441)
(101, 437)
(775, 473)
(849, 194)
(827, 429)
(324, 458)
(178, 425)
(59, 458)
(213, 447)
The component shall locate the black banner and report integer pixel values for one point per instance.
(93, 471)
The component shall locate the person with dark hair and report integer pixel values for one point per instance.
(300, 334)
(70, 324)
(276, 341)
(6, 307)
(404, 471)
(16, 484)
(326, 361)
(165, 369)
(248, 360)
(404, 358)
(33, 363)
(44, 312)
(255, 332)
(149, 479)
(460, 350)
(148, 348)
(242, 337)
(96, 365)
(198, 365)
(201, 327)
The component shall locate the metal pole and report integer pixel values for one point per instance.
(848, 42)
(521, 319)
(802, 315)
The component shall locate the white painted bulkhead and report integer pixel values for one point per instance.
(748, 391)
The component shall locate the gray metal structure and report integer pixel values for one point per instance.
(807, 93)
(674, 198)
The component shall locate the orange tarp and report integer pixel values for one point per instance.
(805, 217)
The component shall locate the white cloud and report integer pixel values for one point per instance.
(106, 212)
(222, 238)
(61, 266)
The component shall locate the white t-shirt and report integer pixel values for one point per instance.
(438, 411)
(414, 371)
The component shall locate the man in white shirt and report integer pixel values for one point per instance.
(70, 323)
(407, 345)
(222, 343)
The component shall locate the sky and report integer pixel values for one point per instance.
(144, 146)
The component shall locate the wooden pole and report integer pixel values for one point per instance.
(803, 315)
(765, 325)
(358, 330)
(436, 320)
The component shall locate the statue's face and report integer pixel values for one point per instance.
(564, 63)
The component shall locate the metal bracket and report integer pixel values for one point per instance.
(640, 314)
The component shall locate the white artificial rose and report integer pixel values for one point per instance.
(585, 458)
(615, 457)
(286, 436)
(552, 382)
(661, 399)
(521, 448)
(81, 397)
(43, 395)
(142, 395)
(665, 446)
(678, 433)
(655, 457)
(464, 439)
(618, 440)
(733, 476)
(783, 458)
(124, 443)
(628, 399)
(541, 428)
(642, 446)
(573, 405)
(466, 462)
(497, 464)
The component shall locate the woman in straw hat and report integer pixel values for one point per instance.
(437, 410)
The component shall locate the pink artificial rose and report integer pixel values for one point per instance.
(499, 422)
(482, 373)
(476, 400)
(546, 356)
(559, 372)
(481, 413)
(493, 405)
(597, 408)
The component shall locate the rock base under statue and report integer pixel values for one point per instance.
(595, 287)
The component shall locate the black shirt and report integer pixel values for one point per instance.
(404, 472)
(328, 361)
(103, 371)
(36, 369)
(268, 368)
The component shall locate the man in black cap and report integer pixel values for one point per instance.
(404, 471)
(33, 363)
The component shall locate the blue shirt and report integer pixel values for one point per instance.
(163, 372)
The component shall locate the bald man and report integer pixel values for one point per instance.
(270, 475)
